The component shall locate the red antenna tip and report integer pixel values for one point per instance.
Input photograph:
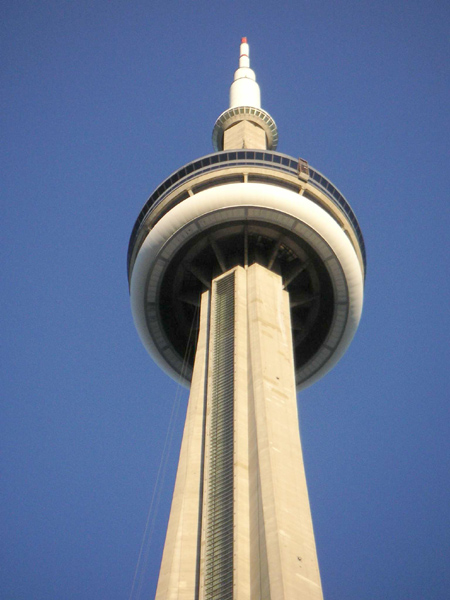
(243, 40)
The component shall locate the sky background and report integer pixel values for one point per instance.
(100, 102)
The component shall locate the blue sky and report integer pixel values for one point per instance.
(100, 102)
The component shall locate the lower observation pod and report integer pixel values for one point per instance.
(210, 224)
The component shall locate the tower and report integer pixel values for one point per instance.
(246, 271)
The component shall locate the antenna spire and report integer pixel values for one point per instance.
(244, 90)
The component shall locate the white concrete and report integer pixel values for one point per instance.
(244, 134)
(280, 496)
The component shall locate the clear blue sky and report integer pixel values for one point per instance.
(100, 102)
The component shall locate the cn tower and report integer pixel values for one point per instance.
(246, 271)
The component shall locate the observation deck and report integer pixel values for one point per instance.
(318, 189)
(237, 207)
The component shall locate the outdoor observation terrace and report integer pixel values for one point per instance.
(250, 166)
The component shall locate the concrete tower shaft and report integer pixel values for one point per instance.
(240, 525)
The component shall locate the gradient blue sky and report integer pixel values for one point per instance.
(100, 102)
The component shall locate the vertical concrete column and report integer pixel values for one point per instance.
(287, 546)
(216, 571)
(225, 562)
(242, 589)
(240, 526)
(179, 567)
